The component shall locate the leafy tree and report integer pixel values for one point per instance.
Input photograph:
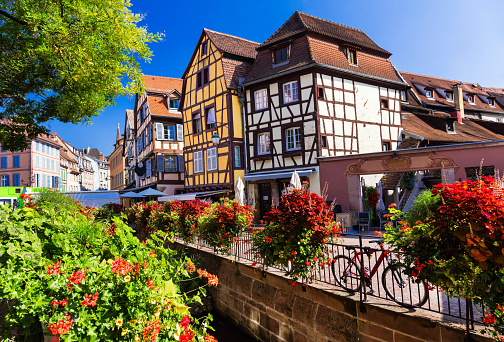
(65, 60)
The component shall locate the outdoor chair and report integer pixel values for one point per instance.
(363, 220)
(384, 218)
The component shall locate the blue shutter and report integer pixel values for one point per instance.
(15, 161)
(15, 180)
(181, 162)
(3, 162)
(160, 163)
(7, 180)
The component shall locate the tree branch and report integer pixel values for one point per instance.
(19, 21)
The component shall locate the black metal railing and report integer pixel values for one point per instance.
(347, 244)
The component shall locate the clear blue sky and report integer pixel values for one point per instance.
(455, 39)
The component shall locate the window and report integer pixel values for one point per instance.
(281, 55)
(263, 141)
(320, 93)
(169, 131)
(36, 180)
(212, 159)
(3, 162)
(15, 179)
(290, 92)
(43, 147)
(4, 181)
(386, 146)
(429, 94)
(37, 161)
(293, 137)
(198, 161)
(15, 161)
(260, 98)
(450, 126)
(499, 120)
(170, 163)
(384, 104)
(323, 141)
(148, 168)
(210, 117)
(403, 96)
(352, 56)
(202, 78)
(2, 149)
(449, 96)
(37, 146)
(52, 164)
(174, 104)
(204, 48)
(197, 123)
(237, 156)
(470, 98)
(491, 101)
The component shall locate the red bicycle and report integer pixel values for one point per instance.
(400, 287)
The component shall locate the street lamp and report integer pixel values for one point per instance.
(215, 138)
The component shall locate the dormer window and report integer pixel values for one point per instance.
(281, 56)
(450, 126)
(403, 96)
(352, 56)
(429, 93)
(470, 98)
(449, 96)
(491, 101)
(174, 104)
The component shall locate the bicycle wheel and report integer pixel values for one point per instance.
(404, 289)
(347, 273)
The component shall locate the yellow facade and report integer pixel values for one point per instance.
(228, 117)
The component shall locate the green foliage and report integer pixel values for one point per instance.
(65, 60)
(460, 245)
(48, 198)
(408, 180)
(102, 283)
(223, 222)
(424, 207)
(296, 232)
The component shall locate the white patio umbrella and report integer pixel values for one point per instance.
(381, 204)
(295, 181)
(240, 191)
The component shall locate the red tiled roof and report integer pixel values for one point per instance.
(432, 127)
(162, 84)
(300, 22)
(440, 85)
(308, 50)
(330, 54)
(234, 70)
(233, 45)
(159, 106)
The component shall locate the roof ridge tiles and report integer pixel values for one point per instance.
(439, 78)
(173, 78)
(328, 21)
(232, 36)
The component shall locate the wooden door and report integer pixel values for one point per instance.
(264, 198)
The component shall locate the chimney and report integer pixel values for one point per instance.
(87, 150)
(458, 98)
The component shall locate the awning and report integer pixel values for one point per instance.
(191, 195)
(275, 175)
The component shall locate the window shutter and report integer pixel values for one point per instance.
(7, 180)
(180, 132)
(148, 167)
(181, 162)
(160, 163)
(159, 131)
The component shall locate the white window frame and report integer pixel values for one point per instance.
(289, 95)
(170, 163)
(198, 162)
(212, 159)
(450, 96)
(491, 101)
(261, 99)
(3, 181)
(263, 143)
(429, 91)
(293, 139)
(470, 97)
(351, 51)
(403, 96)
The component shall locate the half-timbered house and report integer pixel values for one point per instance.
(316, 88)
(159, 136)
(212, 108)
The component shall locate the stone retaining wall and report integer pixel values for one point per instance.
(273, 310)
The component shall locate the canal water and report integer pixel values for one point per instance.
(227, 331)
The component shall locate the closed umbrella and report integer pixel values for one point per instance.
(240, 191)
(295, 181)
(381, 204)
